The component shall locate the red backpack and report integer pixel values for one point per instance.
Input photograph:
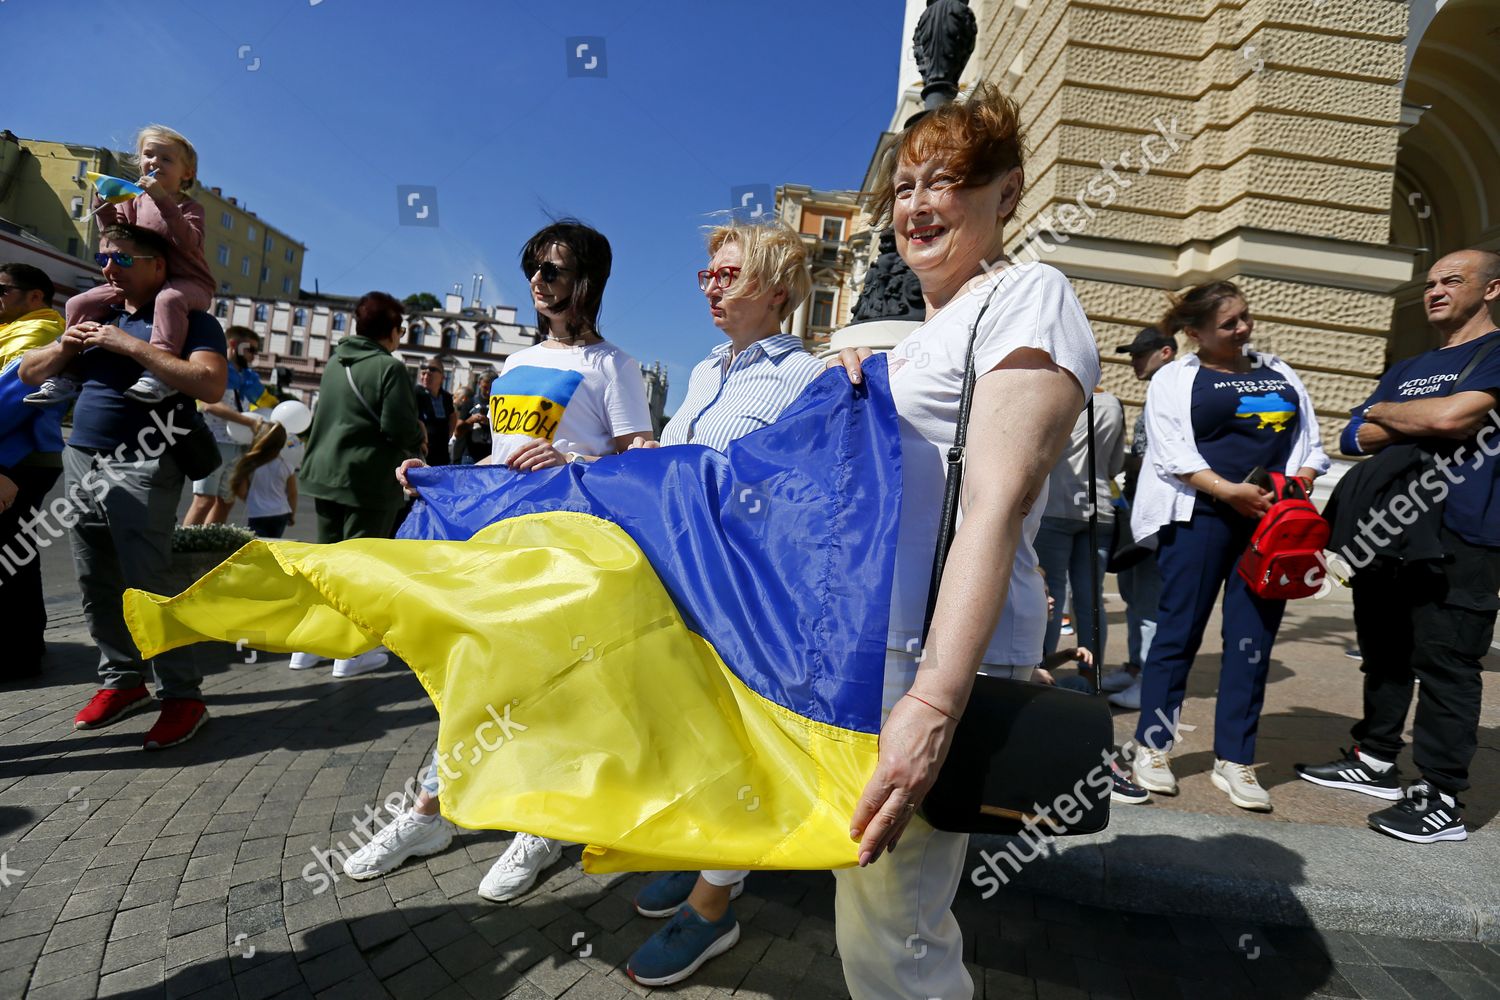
(1285, 557)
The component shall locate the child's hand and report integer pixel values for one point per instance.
(1043, 676)
(155, 188)
(1084, 657)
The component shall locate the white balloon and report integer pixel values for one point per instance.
(239, 433)
(292, 414)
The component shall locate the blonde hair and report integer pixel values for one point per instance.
(163, 134)
(269, 440)
(771, 256)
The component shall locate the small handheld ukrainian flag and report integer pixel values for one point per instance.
(112, 190)
(673, 655)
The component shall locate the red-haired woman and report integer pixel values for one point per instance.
(950, 186)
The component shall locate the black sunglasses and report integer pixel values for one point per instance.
(548, 270)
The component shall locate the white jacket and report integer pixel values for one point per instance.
(1172, 450)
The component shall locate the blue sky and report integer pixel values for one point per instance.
(354, 97)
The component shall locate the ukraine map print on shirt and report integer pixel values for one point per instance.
(531, 401)
(1270, 409)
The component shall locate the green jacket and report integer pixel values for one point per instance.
(350, 458)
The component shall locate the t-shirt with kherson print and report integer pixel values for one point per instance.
(1472, 506)
(578, 398)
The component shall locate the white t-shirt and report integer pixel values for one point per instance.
(579, 398)
(266, 496)
(1035, 308)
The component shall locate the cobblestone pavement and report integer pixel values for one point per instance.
(182, 873)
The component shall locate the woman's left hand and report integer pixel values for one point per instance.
(538, 454)
(851, 359)
(913, 744)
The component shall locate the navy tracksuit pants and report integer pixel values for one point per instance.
(1197, 558)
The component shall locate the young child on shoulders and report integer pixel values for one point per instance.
(169, 166)
(266, 480)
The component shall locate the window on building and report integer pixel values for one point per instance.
(226, 220)
(299, 317)
(221, 308)
(265, 273)
(833, 229)
(291, 255)
(270, 243)
(260, 313)
(223, 255)
(450, 339)
(286, 285)
(822, 310)
(249, 230)
(77, 208)
(224, 286)
(482, 340)
(338, 322)
(297, 349)
(245, 266)
(414, 334)
(83, 169)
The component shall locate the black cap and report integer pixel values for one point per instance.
(1148, 340)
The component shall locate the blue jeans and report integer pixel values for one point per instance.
(1140, 586)
(1197, 559)
(1062, 550)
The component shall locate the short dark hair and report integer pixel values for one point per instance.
(1489, 265)
(377, 315)
(141, 237)
(592, 258)
(29, 279)
(239, 334)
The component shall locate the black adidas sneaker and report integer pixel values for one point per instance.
(1423, 816)
(1354, 774)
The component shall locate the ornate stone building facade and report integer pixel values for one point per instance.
(1320, 153)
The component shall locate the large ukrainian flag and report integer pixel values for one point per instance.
(672, 655)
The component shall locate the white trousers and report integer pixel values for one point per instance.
(722, 879)
(896, 931)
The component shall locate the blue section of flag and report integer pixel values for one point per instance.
(779, 552)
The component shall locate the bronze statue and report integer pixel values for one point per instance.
(890, 290)
(943, 43)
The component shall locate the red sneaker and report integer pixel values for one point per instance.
(179, 720)
(111, 705)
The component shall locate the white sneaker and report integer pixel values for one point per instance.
(1118, 680)
(1129, 697)
(305, 661)
(402, 838)
(1239, 783)
(1152, 771)
(515, 871)
(149, 389)
(361, 664)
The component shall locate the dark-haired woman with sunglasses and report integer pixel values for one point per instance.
(571, 397)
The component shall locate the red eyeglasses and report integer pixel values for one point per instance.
(722, 278)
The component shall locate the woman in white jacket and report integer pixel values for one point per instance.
(1211, 418)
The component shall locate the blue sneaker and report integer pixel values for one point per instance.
(665, 896)
(678, 949)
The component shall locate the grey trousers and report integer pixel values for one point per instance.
(123, 538)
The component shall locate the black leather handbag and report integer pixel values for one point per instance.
(1024, 754)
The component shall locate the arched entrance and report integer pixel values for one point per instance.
(1447, 190)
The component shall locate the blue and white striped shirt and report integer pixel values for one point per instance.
(726, 400)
